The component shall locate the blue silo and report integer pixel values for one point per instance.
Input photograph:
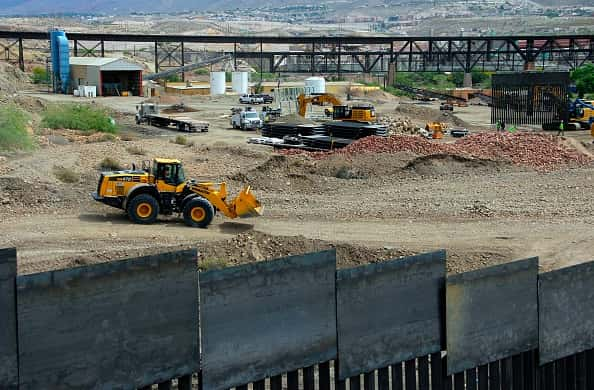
(64, 63)
(60, 53)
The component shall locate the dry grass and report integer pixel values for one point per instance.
(211, 264)
(180, 140)
(136, 150)
(109, 163)
(127, 137)
(66, 175)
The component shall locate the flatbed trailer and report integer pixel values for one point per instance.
(149, 113)
(180, 123)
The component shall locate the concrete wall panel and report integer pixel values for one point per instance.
(389, 312)
(267, 318)
(124, 324)
(8, 332)
(491, 313)
(566, 312)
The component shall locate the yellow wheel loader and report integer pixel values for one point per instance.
(161, 188)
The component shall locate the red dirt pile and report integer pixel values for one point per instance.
(542, 152)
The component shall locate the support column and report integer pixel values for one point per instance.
(156, 57)
(529, 65)
(467, 80)
(313, 59)
(183, 61)
(75, 48)
(392, 74)
(21, 55)
(102, 48)
(235, 56)
(261, 60)
(339, 55)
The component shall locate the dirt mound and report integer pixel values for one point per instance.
(177, 108)
(256, 246)
(362, 166)
(12, 79)
(17, 194)
(279, 173)
(440, 164)
(295, 119)
(374, 96)
(422, 114)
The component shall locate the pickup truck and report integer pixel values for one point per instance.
(251, 99)
(266, 98)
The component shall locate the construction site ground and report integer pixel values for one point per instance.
(481, 212)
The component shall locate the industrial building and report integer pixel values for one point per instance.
(111, 76)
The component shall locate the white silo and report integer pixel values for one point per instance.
(315, 84)
(240, 82)
(217, 83)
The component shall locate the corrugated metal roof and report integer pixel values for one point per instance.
(106, 64)
(122, 65)
(91, 61)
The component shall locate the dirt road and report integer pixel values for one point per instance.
(481, 212)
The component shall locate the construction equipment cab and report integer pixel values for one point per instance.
(358, 113)
(162, 188)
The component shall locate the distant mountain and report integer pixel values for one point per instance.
(32, 7)
(36, 7)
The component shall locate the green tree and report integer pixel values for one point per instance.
(479, 77)
(584, 79)
(39, 75)
(457, 78)
(174, 78)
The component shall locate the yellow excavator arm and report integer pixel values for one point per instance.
(318, 100)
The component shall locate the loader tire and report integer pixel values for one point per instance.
(198, 212)
(143, 209)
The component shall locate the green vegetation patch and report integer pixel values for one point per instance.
(13, 129)
(39, 75)
(584, 80)
(84, 117)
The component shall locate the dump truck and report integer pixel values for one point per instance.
(149, 113)
(161, 187)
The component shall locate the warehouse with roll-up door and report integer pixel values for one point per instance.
(111, 76)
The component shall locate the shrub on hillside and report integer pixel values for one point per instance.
(78, 117)
(13, 129)
(109, 163)
(39, 75)
(66, 175)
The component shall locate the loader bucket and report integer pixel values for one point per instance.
(246, 205)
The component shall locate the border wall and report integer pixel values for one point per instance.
(296, 323)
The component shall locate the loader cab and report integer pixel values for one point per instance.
(169, 175)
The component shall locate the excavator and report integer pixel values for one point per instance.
(340, 112)
(582, 112)
(162, 188)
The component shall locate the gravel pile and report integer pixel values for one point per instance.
(398, 125)
(542, 152)
(539, 151)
